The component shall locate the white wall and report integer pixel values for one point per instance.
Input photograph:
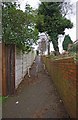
(23, 61)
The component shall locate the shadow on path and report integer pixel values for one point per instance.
(36, 97)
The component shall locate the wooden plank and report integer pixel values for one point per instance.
(10, 69)
(0, 68)
(4, 91)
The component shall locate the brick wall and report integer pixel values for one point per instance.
(63, 73)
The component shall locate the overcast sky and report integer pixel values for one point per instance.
(71, 32)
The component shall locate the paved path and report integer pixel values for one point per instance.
(36, 97)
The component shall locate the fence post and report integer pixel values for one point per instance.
(3, 70)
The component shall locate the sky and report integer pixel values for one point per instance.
(71, 32)
(33, 3)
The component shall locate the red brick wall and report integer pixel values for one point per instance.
(63, 73)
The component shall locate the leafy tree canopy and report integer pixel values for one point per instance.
(51, 20)
(66, 42)
(18, 26)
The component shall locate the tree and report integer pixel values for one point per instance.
(18, 27)
(52, 22)
(66, 42)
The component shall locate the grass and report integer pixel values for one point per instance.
(3, 99)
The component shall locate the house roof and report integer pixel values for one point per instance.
(76, 42)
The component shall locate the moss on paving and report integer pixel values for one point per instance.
(3, 99)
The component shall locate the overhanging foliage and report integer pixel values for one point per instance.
(18, 27)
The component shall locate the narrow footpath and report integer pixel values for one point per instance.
(36, 97)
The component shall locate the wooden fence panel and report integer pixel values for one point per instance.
(8, 69)
(4, 90)
(0, 68)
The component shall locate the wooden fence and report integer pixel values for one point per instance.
(8, 69)
(0, 68)
(14, 68)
